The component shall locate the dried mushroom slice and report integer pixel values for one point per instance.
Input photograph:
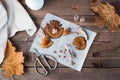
(79, 42)
(46, 42)
(54, 29)
(55, 22)
(66, 31)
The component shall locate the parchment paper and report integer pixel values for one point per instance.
(57, 49)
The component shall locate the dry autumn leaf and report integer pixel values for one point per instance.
(107, 17)
(12, 63)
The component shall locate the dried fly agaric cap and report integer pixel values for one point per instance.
(54, 29)
(79, 42)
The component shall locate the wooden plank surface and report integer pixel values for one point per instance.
(103, 59)
(68, 74)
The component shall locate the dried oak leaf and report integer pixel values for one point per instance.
(12, 63)
(107, 16)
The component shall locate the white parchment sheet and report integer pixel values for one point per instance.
(57, 49)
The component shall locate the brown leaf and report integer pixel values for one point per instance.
(12, 63)
(108, 17)
(100, 22)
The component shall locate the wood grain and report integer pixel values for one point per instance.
(100, 53)
(102, 62)
(68, 74)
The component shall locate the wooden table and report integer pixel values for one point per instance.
(103, 59)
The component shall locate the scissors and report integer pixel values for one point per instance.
(38, 61)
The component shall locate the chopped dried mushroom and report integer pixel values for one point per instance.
(54, 29)
(72, 62)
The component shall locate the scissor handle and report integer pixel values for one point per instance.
(35, 67)
(49, 66)
(52, 58)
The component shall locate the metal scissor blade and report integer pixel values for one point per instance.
(83, 32)
(47, 63)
